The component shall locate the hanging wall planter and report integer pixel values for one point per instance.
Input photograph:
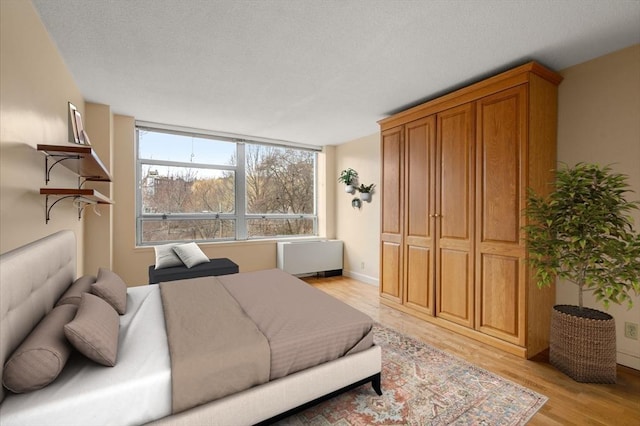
(349, 178)
(366, 191)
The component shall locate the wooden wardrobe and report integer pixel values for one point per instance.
(455, 173)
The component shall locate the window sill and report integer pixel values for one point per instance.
(257, 241)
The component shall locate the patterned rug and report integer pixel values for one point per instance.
(422, 385)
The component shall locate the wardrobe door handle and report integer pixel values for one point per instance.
(434, 215)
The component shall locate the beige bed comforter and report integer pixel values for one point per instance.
(305, 326)
(229, 333)
(216, 350)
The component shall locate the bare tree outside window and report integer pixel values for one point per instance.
(279, 181)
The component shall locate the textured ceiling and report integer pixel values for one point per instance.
(316, 72)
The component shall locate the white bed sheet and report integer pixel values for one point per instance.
(136, 391)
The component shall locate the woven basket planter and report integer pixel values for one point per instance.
(583, 347)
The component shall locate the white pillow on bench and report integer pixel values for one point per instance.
(166, 257)
(190, 254)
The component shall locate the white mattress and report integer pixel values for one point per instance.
(135, 391)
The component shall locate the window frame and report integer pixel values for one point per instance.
(240, 215)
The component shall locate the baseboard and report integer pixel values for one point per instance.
(361, 277)
(631, 361)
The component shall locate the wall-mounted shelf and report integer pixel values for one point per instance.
(83, 196)
(80, 159)
(91, 195)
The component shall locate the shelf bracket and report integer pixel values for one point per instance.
(61, 157)
(83, 203)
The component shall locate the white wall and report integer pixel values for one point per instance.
(35, 88)
(359, 228)
(599, 122)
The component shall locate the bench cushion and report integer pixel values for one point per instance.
(221, 266)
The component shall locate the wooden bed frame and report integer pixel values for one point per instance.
(33, 277)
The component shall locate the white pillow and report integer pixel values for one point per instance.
(166, 257)
(190, 254)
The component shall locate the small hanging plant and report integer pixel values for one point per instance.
(582, 232)
(348, 176)
(366, 189)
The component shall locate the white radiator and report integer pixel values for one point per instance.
(306, 257)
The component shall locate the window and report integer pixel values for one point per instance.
(202, 187)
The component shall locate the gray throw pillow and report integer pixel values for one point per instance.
(41, 356)
(94, 330)
(75, 290)
(112, 289)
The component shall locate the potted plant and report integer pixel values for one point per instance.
(348, 177)
(366, 191)
(582, 233)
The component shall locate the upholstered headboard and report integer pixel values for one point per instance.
(32, 279)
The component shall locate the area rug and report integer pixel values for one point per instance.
(423, 385)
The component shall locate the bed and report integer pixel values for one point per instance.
(138, 389)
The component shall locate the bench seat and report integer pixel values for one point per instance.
(221, 266)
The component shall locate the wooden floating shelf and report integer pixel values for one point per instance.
(80, 159)
(87, 194)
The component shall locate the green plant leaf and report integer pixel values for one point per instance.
(581, 232)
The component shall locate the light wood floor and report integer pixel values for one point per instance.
(570, 402)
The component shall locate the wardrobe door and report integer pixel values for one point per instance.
(501, 189)
(419, 196)
(391, 198)
(455, 215)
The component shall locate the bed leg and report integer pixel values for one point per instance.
(375, 383)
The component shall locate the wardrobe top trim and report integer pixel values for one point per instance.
(513, 77)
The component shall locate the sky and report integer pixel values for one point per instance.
(209, 153)
(166, 146)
